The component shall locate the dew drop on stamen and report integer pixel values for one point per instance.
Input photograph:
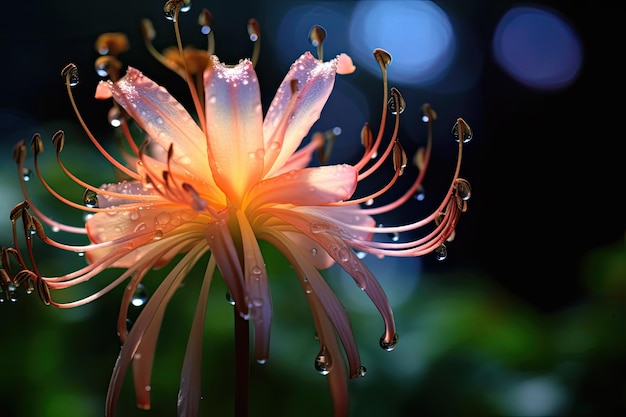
(461, 128)
(361, 372)
(395, 236)
(369, 202)
(90, 198)
(441, 252)
(26, 174)
(140, 296)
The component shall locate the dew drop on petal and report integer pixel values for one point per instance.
(323, 362)
(420, 193)
(230, 299)
(390, 345)
(140, 296)
(361, 372)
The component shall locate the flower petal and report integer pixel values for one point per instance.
(315, 83)
(164, 119)
(258, 288)
(234, 123)
(155, 306)
(307, 187)
(190, 378)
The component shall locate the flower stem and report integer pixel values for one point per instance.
(242, 364)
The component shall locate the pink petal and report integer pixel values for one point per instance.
(258, 289)
(151, 311)
(326, 234)
(315, 83)
(190, 378)
(223, 249)
(164, 119)
(104, 227)
(307, 187)
(143, 360)
(234, 122)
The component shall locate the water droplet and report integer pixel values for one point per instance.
(369, 202)
(395, 236)
(114, 116)
(323, 362)
(361, 371)
(396, 103)
(261, 361)
(441, 252)
(81, 254)
(55, 229)
(158, 235)
(461, 128)
(256, 271)
(26, 174)
(90, 198)
(230, 299)
(140, 296)
(314, 251)
(163, 218)
(70, 73)
(344, 254)
(390, 345)
(463, 188)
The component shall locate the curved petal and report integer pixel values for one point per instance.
(164, 119)
(307, 187)
(151, 311)
(234, 122)
(190, 378)
(315, 83)
(258, 288)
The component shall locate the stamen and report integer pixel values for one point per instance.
(316, 37)
(70, 73)
(254, 30)
(205, 20)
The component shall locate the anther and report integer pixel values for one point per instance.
(112, 43)
(16, 212)
(108, 66)
(383, 57)
(173, 7)
(70, 73)
(396, 103)
(36, 144)
(399, 158)
(205, 20)
(316, 37)
(147, 30)
(58, 140)
(254, 29)
(366, 136)
(428, 113)
(462, 130)
(19, 152)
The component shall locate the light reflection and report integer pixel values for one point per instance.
(537, 48)
(418, 34)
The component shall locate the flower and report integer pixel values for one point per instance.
(216, 186)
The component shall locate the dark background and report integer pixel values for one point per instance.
(530, 298)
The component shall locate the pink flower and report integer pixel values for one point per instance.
(218, 185)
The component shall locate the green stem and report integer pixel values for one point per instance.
(242, 364)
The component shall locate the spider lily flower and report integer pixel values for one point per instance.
(209, 188)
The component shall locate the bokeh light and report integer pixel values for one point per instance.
(538, 48)
(417, 34)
